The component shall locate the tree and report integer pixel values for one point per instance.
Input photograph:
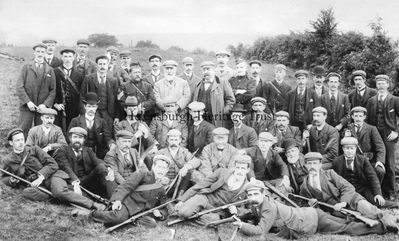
(102, 40)
(146, 44)
(325, 26)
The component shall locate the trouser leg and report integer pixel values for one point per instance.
(25, 121)
(380, 173)
(60, 190)
(388, 184)
(111, 217)
(193, 205)
(34, 194)
(368, 210)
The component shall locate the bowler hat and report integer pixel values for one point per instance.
(238, 108)
(319, 70)
(91, 98)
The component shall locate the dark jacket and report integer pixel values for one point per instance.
(265, 123)
(275, 94)
(326, 143)
(142, 90)
(246, 137)
(55, 62)
(243, 83)
(368, 93)
(290, 132)
(199, 137)
(342, 111)
(311, 101)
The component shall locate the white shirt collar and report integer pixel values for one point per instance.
(331, 94)
(351, 166)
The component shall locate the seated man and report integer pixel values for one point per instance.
(357, 170)
(47, 136)
(241, 136)
(283, 130)
(329, 187)
(295, 162)
(123, 159)
(83, 169)
(143, 190)
(258, 119)
(222, 187)
(217, 154)
(30, 163)
(296, 222)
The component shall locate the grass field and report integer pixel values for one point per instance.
(25, 220)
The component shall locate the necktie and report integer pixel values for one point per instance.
(380, 99)
(350, 161)
(48, 60)
(39, 65)
(101, 79)
(359, 92)
(333, 101)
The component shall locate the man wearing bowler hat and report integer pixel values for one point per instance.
(241, 135)
(36, 89)
(50, 59)
(83, 64)
(258, 119)
(188, 74)
(362, 93)
(318, 73)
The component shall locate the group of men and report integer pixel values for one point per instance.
(90, 129)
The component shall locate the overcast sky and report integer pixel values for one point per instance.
(24, 22)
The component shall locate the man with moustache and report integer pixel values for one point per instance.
(114, 68)
(255, 67)
(301, 102)
(155, 64)
(172, 85)
(106, 89)
(35, 88)
(258, 119)
(318, 73)
(217, 95)
(223, 71)
(188, 74)
(337, 103)
(82, 63)
(283, 130)
(383, 109)
(125, 57)
(323, 138)
(222, 187)
(243, 87)
(50, 59)
(362, 93)
(241, 136)
(295, 162)
(68, 85)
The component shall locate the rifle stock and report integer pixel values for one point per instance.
(273, 189)
(221, 221)
(96, 197)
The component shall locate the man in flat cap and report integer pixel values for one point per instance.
(318, 73)
(383, 109)
(295, 162)
(244, 88)
(125, 57)
(323, 138)
(329, 187)
(362, 93)
(283, 130)
(99, 133)
(83, 64)
(357, 170)
(370, 143)
(68, 84)
(169, 119)
(188, 74)
(255, 67)
(141, 191)
(36, 89)
(301, 101)
(218, 154)
(241, 135)
(216, 94)
(224, 186)
(172, 85)
(47, 136)
(155, 64)
(258, 119)
(199, 130)
(275, 92)
(28, 162)
(337, 103)
(223, 71)
(114, 68)
(50, 59)
(294, 223)
(106, 88)
(81, 168)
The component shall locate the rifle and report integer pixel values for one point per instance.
(273, 189)
(222, 221)
(96, 197)
(180, 177)
(133, 218)
(197, 215)
(357, 215)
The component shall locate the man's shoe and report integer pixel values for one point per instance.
(81, 214)
(389, 221)
(147, 221)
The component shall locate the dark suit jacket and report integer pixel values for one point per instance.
(76, 77)
(91, 84)
(145, 96)
(198, 139)
(290, 132)
(114, 159)
(265, 123)
(246, 137)
(311, 101)
(364, 173)
(324, 90)
(243, 83)
(259, 92)
(326, 143)
(276, 100)
(368, 93)
(159, 128)
(55, 62)
(67, 162)
(342, 111)
(87, 68)
(297, 173)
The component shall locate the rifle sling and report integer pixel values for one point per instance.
(70, 81)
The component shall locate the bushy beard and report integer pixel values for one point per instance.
(76, 145)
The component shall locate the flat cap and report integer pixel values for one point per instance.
(254, 185)
(310, 156)
(280, 66)
(220, 131)
(242, 159)
(382, 77)
(153, 56)
(173, 132)
(162, 158)
(112, 49)
(255, 61)
(282, 113)
(13, 132)
(125, 52)
(359, 109)
(290, 143)
(67, 51)
(333, 74)
(40, 45)
(170, 63)
(48, 111)
(359, 73)
(196, 106)
(319, 109)
(258, 99)
(91, 98)
(124, 134)
(188, 60)
(318, 70)
(83, 41)
(131, 101)
(101, 57)
(78, 131)
(266, 136)
(207, 64)
(349, 140)
(222, 52)
(49, 40)
(301, 72)
(169, 99)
